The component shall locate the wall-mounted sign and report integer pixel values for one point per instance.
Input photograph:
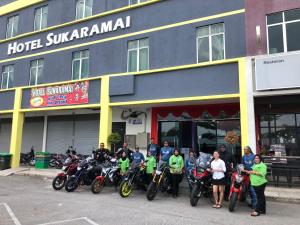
(59, 38)
(60, 95)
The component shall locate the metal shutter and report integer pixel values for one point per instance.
(59, 134)
(5, 134)
(33, 134)
(86, 132)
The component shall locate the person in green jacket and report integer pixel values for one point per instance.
(176, 165)
(150, 166)
(123, 163)
(259, 181)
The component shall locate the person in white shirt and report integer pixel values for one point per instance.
(218, 170)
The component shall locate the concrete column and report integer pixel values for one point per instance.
(17, 130)
(45, 133)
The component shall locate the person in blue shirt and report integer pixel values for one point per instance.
(189, 165)
(165, 152)
(248, 161)
(153, 148)
(137, 157)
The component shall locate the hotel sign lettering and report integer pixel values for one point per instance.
(60, 95)
(80, 33)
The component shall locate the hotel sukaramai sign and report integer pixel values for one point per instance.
(68, 36)
(60, 95)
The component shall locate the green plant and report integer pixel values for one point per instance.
(113, 139)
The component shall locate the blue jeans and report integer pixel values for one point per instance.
(253, 197)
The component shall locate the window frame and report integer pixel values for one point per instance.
(11, 34)
(284, 31)
(84, 10)
(37, 69)
(138, 54)
(80, 63)
(138, 2)
(9, 74)
(41, 18)
(209, 36)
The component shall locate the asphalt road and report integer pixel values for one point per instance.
(32, 201)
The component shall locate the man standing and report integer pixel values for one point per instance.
(125, 149)
(137, 157)
(153, 148)
(165, 152)
(102, 153)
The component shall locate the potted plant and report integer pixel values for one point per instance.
(113, 139)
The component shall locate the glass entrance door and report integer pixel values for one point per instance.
(206, 136)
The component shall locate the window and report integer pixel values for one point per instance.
(12, 26)
(80, 65)
(84, 8)
(138, 55)
(283, 31)
(132, 2)
(210, 43)
(7, 77)
(36, 71)
(40, 18)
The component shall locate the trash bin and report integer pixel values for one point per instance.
(42, 160)
(5, 161)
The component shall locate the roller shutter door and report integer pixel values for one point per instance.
(86, 132)
(33, 134)
(5, 134)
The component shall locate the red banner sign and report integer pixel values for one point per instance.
(59, 95)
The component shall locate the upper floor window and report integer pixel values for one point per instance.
(210, 43)
(138, 55)
(84, 8)
(12, 26)
(283, 31)
(80, 65)
(40, 18)
(132, 2)
(36, 71)
(7, 77)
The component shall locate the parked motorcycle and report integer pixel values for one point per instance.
(57, 161)
(110, 173)
(69, 168)
(240, 182)
(160, 181)
(135, 177)
(85, 175)
(201, 179)
(28, 158)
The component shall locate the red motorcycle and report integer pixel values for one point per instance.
(69, 168)
(240, 182)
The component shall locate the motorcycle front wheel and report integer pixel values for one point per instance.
(125, 189)
(151, 191)
(194, 195)
(58, 182)
(71, 184)
(52, 163)
(97, 186)
(232, 201)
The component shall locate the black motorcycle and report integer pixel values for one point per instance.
(87, 171)
(135, 177)
(28, 158)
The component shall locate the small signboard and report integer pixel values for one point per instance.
(60, 95)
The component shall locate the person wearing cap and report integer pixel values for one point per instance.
(176, 165)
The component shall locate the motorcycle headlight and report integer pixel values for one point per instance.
(79, 168)
(158, 172)
(64, 167)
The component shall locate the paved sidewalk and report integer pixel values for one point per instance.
(30, 171)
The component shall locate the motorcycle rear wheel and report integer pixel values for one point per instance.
(232, 201)
(71, 184)
(125, 189)
(194, 195)
(97, 186)
(58, 182)
(151, 191)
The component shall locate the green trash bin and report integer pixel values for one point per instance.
(42, 160)
(5, 161)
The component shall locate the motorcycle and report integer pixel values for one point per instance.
(134, 177)
(28, 158)
(56, 161)
(201, 179)
(110, 172)
(160, 181)
(240, 182)
(69, 168)
(85, 174)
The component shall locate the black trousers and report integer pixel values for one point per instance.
(227, 184)
(175, 178)
(261, 199)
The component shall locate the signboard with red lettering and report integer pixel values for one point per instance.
(60, 95)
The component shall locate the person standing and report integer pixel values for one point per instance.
(153, 148)
(150, 167)
(189, 166)
(126, 150)
(259, 182)
(165, 152)
(218, 170)
(137, 156)
(101, 154)
(176, 165)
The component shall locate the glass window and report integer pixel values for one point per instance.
(275, 39)
(36, 71)
(292, 36)
(80, 65)
(298, 120)
(285, 120)
(7, 77)
(132, 2)
(292, 15)
(12, 26)
(138, 55)
(40, 18)
(84, 8)
(170, 132)
(274, 18)
(210, 43)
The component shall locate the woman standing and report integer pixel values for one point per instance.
(259, 181)
(218, 169)
(176, 164)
